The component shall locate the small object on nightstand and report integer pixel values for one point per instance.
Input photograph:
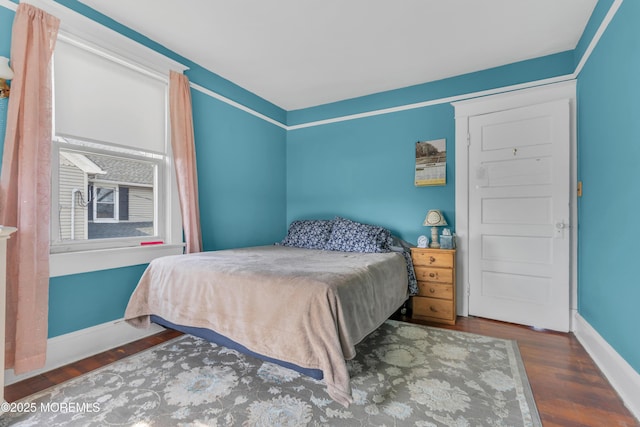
(436, 274)
(423, 241)
(446, 239)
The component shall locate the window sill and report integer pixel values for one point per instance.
(64, 264)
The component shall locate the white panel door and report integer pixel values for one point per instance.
(519, 215)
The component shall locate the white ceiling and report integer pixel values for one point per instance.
(302, 53)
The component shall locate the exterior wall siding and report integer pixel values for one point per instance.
(140, 204)
(71, 177)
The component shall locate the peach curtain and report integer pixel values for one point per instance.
(25, 187)
(184, 157)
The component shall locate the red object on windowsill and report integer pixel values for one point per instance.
(156, 242)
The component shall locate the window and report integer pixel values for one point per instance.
(106, 196)
(112, 179)
(110, 89)
(111, 148)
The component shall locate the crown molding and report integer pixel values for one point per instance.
(596, 37)
(9, 5)
(237, 105)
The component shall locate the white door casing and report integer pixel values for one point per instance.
(469, 176)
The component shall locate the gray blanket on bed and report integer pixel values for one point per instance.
(304, 306)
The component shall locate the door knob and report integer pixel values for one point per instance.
(559, 229)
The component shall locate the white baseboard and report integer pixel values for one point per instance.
(624, 379)
(74, 346)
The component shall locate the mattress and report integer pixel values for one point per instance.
(307, 307)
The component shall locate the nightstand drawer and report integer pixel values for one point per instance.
(436, 273)
(432, 307)
(435, 290)
(440, 275)
(432, 258)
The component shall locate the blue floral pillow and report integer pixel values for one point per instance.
(351, 236)
(309, 233)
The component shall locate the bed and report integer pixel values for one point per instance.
(303, 307)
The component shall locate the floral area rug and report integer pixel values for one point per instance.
(403, 375)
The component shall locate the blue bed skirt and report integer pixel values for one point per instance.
(212, 336)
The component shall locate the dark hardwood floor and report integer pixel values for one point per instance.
(568, 387)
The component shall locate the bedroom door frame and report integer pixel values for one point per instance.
(491, 104)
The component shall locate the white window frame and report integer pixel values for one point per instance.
(81, 30)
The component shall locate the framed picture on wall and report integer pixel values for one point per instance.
(431, 162)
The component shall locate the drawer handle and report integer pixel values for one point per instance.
(432, 260)
(433, 291)
(432, 275)
(433, 309)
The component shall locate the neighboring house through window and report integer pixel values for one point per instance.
(105, 196)
(102, 197)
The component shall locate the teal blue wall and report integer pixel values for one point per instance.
(609, 155)
(241, 174)
(364, 168)
(241, 170)
(6, 22)
(83, 300)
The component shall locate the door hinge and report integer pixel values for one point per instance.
(468, 139)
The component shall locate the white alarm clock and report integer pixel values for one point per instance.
(423, 241)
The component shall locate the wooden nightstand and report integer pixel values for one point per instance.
(436, 273)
